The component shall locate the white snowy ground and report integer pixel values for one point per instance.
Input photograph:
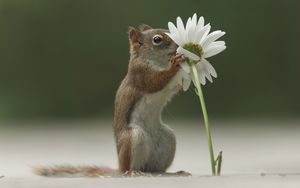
(257, 154)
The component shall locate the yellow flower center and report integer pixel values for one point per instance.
(194, 48)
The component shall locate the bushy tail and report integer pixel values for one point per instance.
(72, 171)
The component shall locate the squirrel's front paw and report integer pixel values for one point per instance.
(177, 59)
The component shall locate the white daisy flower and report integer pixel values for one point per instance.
(196, 43)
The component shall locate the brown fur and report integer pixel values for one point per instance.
(124, 150)
(144, 27)
(147, 80)
(140, 80)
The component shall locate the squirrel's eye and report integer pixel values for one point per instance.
(157, 39)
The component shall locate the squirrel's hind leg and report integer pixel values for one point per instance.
(134, 146)
(163, 152)
(141, 146)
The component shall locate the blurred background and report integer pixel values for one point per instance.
(66, 58)
(61, 62)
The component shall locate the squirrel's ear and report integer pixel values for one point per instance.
(144, 27)
(135, 36)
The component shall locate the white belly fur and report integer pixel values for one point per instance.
(147, 112)
(146, 123)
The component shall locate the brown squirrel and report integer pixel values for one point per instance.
(144, 143)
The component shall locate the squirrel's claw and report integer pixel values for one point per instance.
(177, 59)
(183, 173)
(133, 173)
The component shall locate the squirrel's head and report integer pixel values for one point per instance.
(151, 46)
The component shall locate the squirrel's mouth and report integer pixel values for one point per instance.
(171, 54)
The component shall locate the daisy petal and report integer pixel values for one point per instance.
(205, 33)
(201, 69)
(174, 34)
(187, 54)
(216, 43)
(202, 78)
(185, 66)
(206, 73)
(172, 28)
(205, 70)
(194, 19)
(186, 84)
(192, 28)
(180, 28)
(187, 29)
(200, 22)
(211, 38)
(213, 48)
(202, 33)
(210, 68)
(188, 24)
(185, 75)
(174, 38)
(191, 35)
(194, 24)
(213, 51)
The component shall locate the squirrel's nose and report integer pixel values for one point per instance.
(174, 45)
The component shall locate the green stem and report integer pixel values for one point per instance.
(207, 128)
(219, 163)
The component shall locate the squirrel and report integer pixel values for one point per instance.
(144, 143)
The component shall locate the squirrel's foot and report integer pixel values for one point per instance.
(133, 173)
(183, 173)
